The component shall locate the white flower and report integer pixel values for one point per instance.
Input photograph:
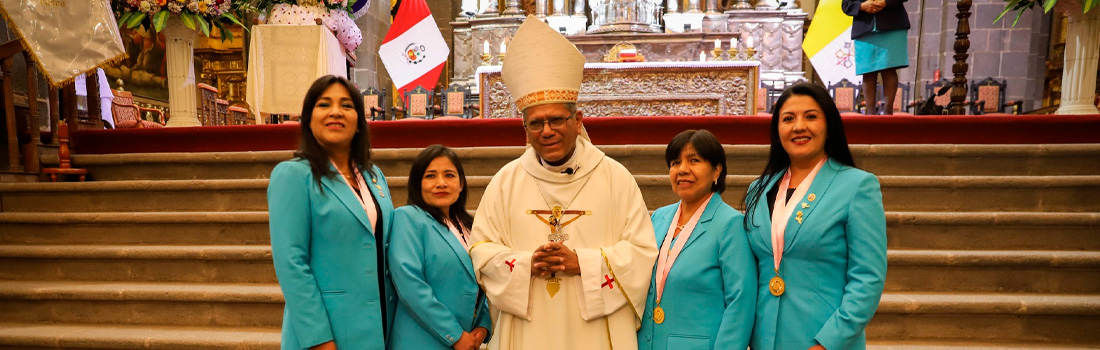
(175, 7)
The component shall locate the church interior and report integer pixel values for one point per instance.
(133, 211)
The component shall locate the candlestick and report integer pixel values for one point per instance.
(733, 43)
(503, 48)
(485, 48)
(751, 53)
(501, 55)
(717, 53)
(717, 44)
(748, 42)
(733, 53)
(486, 58)
(702, 57)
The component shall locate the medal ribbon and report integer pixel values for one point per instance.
(665, 260)
(372, 212)
(782, 210)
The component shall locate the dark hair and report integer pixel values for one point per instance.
(308, 147)
(836, 144)
(458, 213)
(708, 147)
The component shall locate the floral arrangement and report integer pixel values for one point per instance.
(195, 14)
(265, 6)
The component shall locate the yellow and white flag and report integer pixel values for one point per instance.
(829, 44)
(65, 37)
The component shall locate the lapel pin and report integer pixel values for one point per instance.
(805, 206)
(798, 217)
(811, 197)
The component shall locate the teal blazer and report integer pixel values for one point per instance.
(834, 264)
(710, 296)
(434, 278)
(326, 258)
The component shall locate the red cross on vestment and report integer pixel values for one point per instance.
(608, 283)
(511, 265)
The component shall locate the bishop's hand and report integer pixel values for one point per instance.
(565, 259)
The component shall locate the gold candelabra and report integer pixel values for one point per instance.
(733, 54)
(751, 53)
(716, 53)
(486, 58)
(501, 55)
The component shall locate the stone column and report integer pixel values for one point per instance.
(694, 6)
(182, 99)
(672, 6)
(511, 8)
(578, 8)
(712, 7)
(1082, 55)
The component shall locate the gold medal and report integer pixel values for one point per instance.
(658, 315)
(776, 286)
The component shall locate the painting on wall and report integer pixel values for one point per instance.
(145, 73)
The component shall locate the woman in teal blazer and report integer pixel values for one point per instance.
(709, 297)
(832, 262)
(329, 212)
(441, 305)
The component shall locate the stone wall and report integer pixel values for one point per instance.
(999, 50)
(368, 70)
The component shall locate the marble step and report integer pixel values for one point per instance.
(905, 230)
(138, 263)
(79, 336)
(900, 193)
(1015, 318)
(909, 270)
(167, 304)
(1053, 159)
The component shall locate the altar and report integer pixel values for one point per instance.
(645, 89)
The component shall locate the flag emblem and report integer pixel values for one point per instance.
(414, 53)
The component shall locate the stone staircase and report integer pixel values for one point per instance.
(991, 246)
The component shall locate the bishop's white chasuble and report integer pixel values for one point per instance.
(602, 216)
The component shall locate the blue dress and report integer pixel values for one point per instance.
(710, 295)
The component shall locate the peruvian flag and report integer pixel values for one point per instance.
(414, 51)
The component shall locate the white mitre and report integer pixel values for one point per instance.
(541, 66)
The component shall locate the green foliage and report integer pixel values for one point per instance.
(1019, 6)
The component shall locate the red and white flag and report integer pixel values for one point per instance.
(414, 51)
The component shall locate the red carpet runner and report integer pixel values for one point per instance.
(1001, 129)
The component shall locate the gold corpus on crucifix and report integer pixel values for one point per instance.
(554, 221)
(553, 284)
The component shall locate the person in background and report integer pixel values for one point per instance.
(440, 304)
(817, 227)
(330, 212)
(880, 31)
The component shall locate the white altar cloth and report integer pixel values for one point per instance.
(283, 60)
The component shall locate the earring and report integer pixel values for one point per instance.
(716, 182)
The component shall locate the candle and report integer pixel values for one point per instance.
(503, 48)
(702, 57)
(717, 43)
(748, 42)
(733, 43)
(485, 48)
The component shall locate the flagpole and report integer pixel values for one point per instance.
(920, 38)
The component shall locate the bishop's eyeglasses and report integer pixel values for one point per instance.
(537, 124)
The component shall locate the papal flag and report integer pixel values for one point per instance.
(414, 51)
(829, 44)
(66, 38)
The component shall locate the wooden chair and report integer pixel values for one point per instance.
(65, 165)
(127, 115)
(988, 96)
(374, 102)
(454, 102)
(222, 117)
(930, 90)
(208, 104)
(417, 104)
(238, 115)
(845, 95)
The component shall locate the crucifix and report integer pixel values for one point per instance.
(554, 220)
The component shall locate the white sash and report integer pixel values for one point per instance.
(781, 212)
(666, 256)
